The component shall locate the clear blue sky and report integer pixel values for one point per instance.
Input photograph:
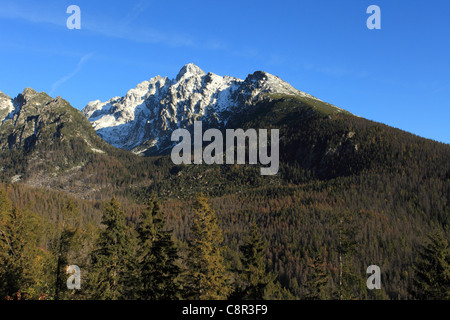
(399, 75)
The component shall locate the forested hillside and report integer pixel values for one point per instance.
(349, 193)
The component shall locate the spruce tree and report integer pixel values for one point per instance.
(13, 270)
(433, 270)
(157, 257)
(254, 279)
(110, 277)
(67, 227)
(207, 277)
(317, 280)
(19, 254)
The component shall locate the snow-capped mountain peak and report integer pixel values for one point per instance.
(190, 70)
(144, 118)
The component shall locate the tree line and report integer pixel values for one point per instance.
(126, 259)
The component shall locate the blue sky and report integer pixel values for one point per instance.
(399, 75)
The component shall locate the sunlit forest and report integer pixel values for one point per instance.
(350, 193)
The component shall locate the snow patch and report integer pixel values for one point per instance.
(97, 150)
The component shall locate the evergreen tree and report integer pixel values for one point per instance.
(19, 253)
(13, 266)
(433, 269)
(110, 277)
(317, 281)
(255, 280)
(67, 227)
(207, 277)
(157, 254)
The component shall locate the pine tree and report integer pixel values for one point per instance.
(207, 277)
(158, 255)
(110, 277)
(433, 270)
(255, 280)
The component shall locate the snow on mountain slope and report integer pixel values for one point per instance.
(10, 107)
(145, 117)
(6, 106)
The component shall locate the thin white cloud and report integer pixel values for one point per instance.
(123, 29)
(30, 12)
(136, 34)
(67, 77)
(135, 12)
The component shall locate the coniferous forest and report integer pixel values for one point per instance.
(350, 193)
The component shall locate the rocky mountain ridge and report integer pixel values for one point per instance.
(144, 118)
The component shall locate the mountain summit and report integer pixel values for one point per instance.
(144, 118)
(190, 70)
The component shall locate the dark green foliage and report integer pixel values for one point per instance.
(157, 257)
(20, 256)
(317, 281)
(206, 276)
(13, 275)
(110, 275)
(64, 244)
(432, 269)
(255, 280)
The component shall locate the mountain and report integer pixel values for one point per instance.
(46, 143)
(144, 118)
(339, 175)
(33, 118)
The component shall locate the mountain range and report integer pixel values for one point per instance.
(144, 118)
(392, 185)
(47, 142)
(322, 138)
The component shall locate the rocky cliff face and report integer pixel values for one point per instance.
(45, 142)
(142, 120)
(33, 118)
(22, 118)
